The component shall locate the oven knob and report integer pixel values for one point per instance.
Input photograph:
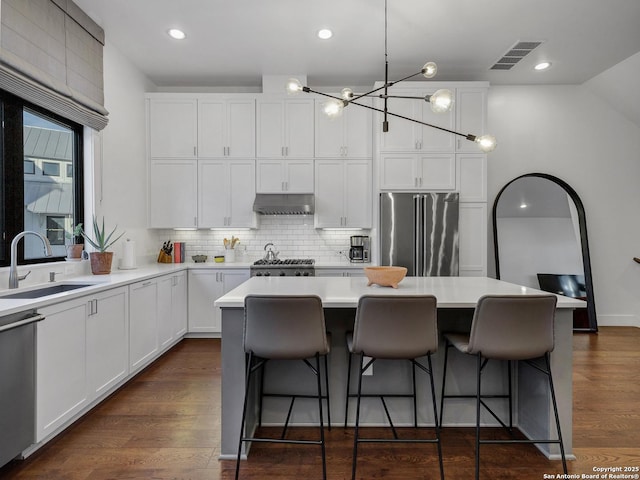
(282, 274)
(306, 274)
(259, 274)
(267, 274)
(297, 274)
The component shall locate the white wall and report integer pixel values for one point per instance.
(569, 132)
(123, 200)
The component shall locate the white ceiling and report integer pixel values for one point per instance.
(236, 42)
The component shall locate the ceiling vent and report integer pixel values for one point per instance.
(514, 55)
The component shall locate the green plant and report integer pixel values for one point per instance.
(102, 241)
(75, 233)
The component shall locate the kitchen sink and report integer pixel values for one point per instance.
(48, 290)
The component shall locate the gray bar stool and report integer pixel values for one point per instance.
(284, 327)
(394, 327)
(511, 328)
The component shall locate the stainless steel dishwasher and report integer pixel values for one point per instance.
(17, 383)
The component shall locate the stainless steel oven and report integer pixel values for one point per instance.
(292, 267)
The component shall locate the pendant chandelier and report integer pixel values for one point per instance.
(441, 101)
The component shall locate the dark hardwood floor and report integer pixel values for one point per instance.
(165, 424)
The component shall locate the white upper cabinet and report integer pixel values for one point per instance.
(471, 116)
(173, 193)
(407, 136)
(173, 127)
(285, 128)
(226, 191)
(226, 128)
(284, 176)
(411, 171)
(343, 194)
(348, 135)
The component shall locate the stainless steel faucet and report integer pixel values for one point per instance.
(14, 278)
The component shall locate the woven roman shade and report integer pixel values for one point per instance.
(51, 55)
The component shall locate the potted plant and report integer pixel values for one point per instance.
(101, 259)
(74, 249)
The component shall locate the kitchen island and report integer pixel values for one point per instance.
(457, 298)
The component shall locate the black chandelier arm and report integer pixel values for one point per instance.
(386, 85)
(467, 136)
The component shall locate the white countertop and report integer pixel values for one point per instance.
(344, 292)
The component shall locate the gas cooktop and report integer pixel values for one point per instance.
(293, 262)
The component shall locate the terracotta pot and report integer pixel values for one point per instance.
(75, 250)
(101, 262)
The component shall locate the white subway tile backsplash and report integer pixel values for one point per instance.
(292, 236)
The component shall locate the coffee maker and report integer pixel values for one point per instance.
(360, 248)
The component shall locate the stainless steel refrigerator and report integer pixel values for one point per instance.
(420, 231)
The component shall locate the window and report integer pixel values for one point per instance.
(37, 149)
(55, 230)
(51, 169)
(29, 167)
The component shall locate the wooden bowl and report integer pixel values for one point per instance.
(385, 276)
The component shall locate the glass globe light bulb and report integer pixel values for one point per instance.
(346, 93)
(293, 86)
(332, 108)
(429, 70)
(487, 143)
(441, 101)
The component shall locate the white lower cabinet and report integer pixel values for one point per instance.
(472, 228)
(143, 323)
(81, 354)
(172, 309)
(339, 272)
(205, 287)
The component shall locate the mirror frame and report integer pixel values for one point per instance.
(584, 242)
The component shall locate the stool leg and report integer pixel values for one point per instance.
(435, 417)
(322, 447)
(555, 411)
(355, 432)
(478, 386)
(444, 378)
(509, 371)
(244, 410)
(326, 382)
(346, 405)
(415, 404)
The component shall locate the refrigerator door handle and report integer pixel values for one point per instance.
(417, 236)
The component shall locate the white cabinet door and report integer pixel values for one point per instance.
(205, 287)
(472, 228)
(358, 208)
(143, 323)
(173, 131)
(226, 128)
(164, 311)
(285, 128)
(242, 192)
(329, 194)
(172, 309)
(61, 367)
(226, 193)
(471, 171)
(399, 172)
(471, 116)
(343, 194)
(173, 197)
(437, 172)
(107, 340)
(348, 135)
(431, 139)
(416, 172)
(284, 176)
(179, 302)
(403, 136)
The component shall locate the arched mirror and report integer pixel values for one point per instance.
(540, 238)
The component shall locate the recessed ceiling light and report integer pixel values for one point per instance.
(523, 205)
(177, 34)
(542, 66)
(325, 34)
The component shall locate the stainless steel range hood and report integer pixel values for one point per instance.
(284, 204)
